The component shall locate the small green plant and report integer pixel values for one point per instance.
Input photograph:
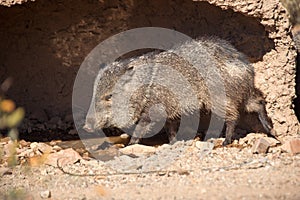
(10, 119)
(10, 115)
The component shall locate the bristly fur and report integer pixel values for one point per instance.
(237, 76)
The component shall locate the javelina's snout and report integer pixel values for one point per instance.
(257, 104)
(89, 125)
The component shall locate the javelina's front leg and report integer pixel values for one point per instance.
(230, 127)
(140, 130)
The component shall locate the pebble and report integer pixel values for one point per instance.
(5, 171)
(251, 138)
(260, 146)
(295, 146)
(205, 147)
(124, 136)
(138, 150)
(40, 146)
(272, 141)
(292, 146)
(23, 143)
(45, 194)
(56, 148)
(63, 157)
(73, 132)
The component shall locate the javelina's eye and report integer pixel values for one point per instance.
(130, 67)
(108, 97)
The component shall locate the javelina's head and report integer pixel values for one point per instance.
(106, 105)
(98, 116)
(257, 104)
(99, 113)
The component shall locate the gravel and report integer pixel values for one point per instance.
(178, 171)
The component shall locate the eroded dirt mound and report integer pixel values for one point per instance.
(46, 41)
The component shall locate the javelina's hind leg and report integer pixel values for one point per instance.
(230, 127)
(171, 128)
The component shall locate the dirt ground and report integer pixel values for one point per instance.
(184, 170)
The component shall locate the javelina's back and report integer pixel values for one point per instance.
(206, 75)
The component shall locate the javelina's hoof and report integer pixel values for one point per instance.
(134, 140)
(226, 142)
(272, 133)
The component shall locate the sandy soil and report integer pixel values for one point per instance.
(179, 171)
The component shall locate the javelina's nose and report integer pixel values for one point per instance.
(89, 125)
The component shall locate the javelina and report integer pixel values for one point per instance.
(161, 87)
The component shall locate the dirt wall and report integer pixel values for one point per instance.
(44, 42)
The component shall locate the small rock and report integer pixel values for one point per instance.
(164, 146)
(40, 146)
(5, 140)
(106, 154)
(63, 157)
(235, 142)
(274, 150)
(73, 132)
(45, 194)
(124, 136)
(162, 173)
(295, 146)
(53, 142)
(203, 190)
(272, 141)
(260, 146)
(218, 142)
(119, 145)
(56, 148)
(33, 145)
(25, 152)
(137, 149)
(251, 139)
(205, 147)
(5, 171)
(292, 146)
(23, 143)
